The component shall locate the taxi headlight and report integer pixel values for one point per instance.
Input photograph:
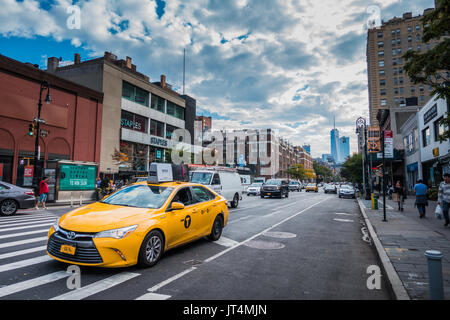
(56, 225)
(116, 233)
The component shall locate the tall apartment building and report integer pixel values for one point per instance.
(389, 85)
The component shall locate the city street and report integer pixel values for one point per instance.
(306, 246)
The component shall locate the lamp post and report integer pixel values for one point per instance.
(44, 86)
(361, 130)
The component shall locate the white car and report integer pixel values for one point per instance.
(227, 183)
(254, 189)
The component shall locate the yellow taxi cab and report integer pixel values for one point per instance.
(137, 224)
(311, 187)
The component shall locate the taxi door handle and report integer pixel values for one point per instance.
(194, 210)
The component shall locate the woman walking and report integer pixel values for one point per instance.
(43, 193)
(421, 197)
(399, 191)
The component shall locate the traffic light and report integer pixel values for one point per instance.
(31, 129)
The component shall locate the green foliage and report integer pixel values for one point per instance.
(430, 67)
(352, 169)
(297, 171)
(323, 171)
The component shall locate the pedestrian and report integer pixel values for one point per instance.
(444, 197)
(421, 197)
(399, 191)
(43, 193)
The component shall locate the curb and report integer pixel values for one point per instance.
(396, 285)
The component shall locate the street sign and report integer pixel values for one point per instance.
(388, 144)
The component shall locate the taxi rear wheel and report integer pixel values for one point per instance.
(216, 230)
(151, 249)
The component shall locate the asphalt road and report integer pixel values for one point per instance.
(307, 246)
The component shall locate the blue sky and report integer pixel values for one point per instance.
(290, 65)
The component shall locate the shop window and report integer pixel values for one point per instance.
(438, 129)
(133, 122)
(426, 137)
(169, 131)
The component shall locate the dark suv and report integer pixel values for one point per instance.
(275, 187)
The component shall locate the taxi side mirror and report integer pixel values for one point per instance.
(177, 206)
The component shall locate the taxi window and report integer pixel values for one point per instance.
(216, 179)
(201, 194)
(141, 196)
(183, 196)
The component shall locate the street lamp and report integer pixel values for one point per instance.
(44, 86)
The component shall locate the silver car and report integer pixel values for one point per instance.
(346, 191)
(13, 198)
(254, 189)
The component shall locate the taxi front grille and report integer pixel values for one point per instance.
(85, 252)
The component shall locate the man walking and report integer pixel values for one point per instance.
(421, 197)
(43, 193)
(444, 197)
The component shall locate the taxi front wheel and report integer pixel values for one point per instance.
(216, 230)
(151, 249)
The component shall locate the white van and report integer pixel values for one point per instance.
(227, 183)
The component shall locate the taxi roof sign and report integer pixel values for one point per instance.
(160, 172)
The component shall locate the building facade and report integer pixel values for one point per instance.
(411, 143)
(434, 155)
(389, 85)
(73, 120)
(139, 116)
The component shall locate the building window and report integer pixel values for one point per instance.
(400, 80)
(394, 61)
(381, 72)
(383, 92)
(381, 63)
(380, 44)
(395, 80)
(175, 110)
(438, 129)
(418, 38)
(381, 53)
(398, 31)
(399, 41)
(394, 52)
(399, 50)
(380, 34)
(382, 82)
(402, 90)
(157, 103)
(156, 128)
(133, 121)
(383, 102)
(413, 89)
(395, 90)
(400, 70)
(418, 27)
(395, 71)
(393, 42)
(426, 137)
(393, 32)
(409, 39)
(409, 28)
(397, 101)
(422, 98)
(169, 131)
(134, 93)
(419, 48)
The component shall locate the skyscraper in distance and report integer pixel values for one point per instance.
(334, 137)
(344, 148)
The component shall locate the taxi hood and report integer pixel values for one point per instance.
(99, 216)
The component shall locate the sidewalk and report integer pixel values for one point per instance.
(404, 238)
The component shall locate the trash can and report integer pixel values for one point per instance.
(374, 201)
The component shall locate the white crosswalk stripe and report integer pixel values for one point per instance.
(49, 220)
(15, 235)
(21, 242)
(97, 287)
(22, 252)
(24, 263)
(26, 227)
(32, 283)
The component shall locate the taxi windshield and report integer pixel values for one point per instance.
(201, 177)
(141, 196)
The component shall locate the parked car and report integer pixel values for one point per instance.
(254, 189)
(346, 191)
(275, 187)
(330, 188)
(226, 183)
(312, 187)
(295, 186)
(13, 198)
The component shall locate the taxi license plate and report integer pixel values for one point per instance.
(68, 249)
(268, 193)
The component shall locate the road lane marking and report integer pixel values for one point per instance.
(153, 296)
(27, 227)
(96, 287)
(29, 284)
(243, 218)
(171, 279)
(345, 214)
(14, 235)
(24, 263)
(183, 273)
(226, 242)
(22, 252)
(343, 220)
(27, 217)
(273, 213)
(20, 242)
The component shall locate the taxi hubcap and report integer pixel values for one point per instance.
(153, 249)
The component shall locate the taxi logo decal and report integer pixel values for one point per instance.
(187, 222)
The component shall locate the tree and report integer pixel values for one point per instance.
(322, 171)
(432, 67)
(297, 171)
(352, 169)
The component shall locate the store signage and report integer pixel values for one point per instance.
(77, 177)
(159, 142)
(436, 152)
(133, 122)
(373, 139)
(430, 114)
(388, 144)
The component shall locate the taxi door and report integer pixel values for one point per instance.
(207, 206)
(182, 224)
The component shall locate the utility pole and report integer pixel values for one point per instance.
(383, 179)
